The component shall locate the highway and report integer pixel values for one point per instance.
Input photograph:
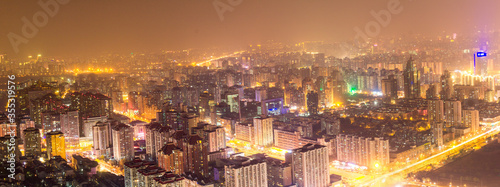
(401, 173)
(217, 58)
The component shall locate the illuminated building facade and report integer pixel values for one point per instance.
(101, 139)
(245, 171)
(310, 166)
(171, 158)
(263, 131)
(32, 142)
(471, 119)
(411, 80)
(56, 145)
(369, 152)
(123, 142)
(453, 113)
(436, 119)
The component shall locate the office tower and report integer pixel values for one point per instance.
(310, 166)
(436, 119)
(481, 64)
(390, 89)
(245, 172)
(279, 173)
(453, 113)
(263, 131)
(171, 158)
(123, 142)
(411, 80)
(101, 139)
(56, 145)
(471, 119)
(447, 90)
(32, 142)
(312, 102)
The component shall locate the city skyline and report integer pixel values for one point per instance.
(238, 93)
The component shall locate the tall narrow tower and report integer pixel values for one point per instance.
(411, 80)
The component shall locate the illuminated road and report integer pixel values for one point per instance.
(217, 58)
(105, 166)
(132, 117)
(416, 165)
(246, 148)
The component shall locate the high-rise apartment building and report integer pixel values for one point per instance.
(310, 166)
(101, 139)
(171, 158)
(123, 142)
(245, 172)
(312, 102)
(453, 113)
(470, 119)
(263, 131)
(369, 152)
(435, 117)
(32, 142)
(56, 145)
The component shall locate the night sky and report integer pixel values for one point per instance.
(122, 26)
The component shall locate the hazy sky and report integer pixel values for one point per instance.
(97, 26)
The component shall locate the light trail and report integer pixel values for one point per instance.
(434, 156)
(218, 58)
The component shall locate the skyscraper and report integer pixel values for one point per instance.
(411, 80)
(447, 90)
(390, 88)
(310, 166)
(56, 145)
